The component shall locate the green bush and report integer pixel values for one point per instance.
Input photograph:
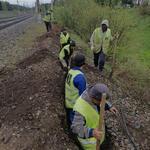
(84, 16)
(145, 8)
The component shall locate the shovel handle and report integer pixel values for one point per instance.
(101, 118)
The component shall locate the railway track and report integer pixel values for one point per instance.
(4, 23)
(7, 17)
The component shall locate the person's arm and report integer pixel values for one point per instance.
(61, 38)
(69, 39)
(109, 107)
(63, 60)
(110, 37)
(66, 57)
(78, 127)
(80, 83)
(92, 41)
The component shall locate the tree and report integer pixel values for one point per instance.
(0, 5)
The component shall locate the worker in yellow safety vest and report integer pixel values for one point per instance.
(86, 117)
(47, 20)
(64, 38)
(100, 44)
(65, 54)
(75, 84)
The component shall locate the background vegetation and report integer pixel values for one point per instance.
(132, 25)
(7, 6)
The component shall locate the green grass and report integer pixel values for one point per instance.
(26, 40)
(7, 14)
(134, 56)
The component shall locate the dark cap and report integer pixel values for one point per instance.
(72, 43)
(78, 60)
(97, 90)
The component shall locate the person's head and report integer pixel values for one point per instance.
(64, 31)
(72, 45)
(105, 25)
(77, 60)
(96, 92)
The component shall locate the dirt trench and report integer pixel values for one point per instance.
(32, 116)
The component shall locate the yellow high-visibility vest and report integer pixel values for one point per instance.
(91, 119)
(100, 39)
(71, 92)
(64, 39)
(47, 18)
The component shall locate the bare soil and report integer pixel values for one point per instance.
(32, 115)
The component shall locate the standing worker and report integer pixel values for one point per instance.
(75, 85)
(65, 54)
(86, 118)
(64, 38)
(47, 20)
(100, 42)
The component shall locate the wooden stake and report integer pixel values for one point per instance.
(101, 118)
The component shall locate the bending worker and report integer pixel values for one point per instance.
(75, 84)
(47, 20)
(86, 116)
(100, 42)
(65, 54)
(64, 38)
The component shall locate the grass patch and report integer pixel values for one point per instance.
(134, 56)
(8, 14)
(27, 39)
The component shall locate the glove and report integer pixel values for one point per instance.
(65, 69)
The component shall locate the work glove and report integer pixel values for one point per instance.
(65, 69)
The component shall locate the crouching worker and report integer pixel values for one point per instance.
(65, 54)
(64, 38)
(86, 118)
(75, 85)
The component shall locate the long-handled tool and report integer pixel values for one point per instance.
(101, 118)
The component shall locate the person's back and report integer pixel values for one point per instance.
(72, 86)
(64, 38)
(86, 116)
(65, 54)
(101, 40)
(75, 84)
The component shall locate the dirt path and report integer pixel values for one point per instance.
(32, 115)
(31, 105)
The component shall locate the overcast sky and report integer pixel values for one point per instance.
(27, 2)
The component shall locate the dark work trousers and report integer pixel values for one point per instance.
(62, 45)
(70, 116)
(48, 26)
(62, 67)
(96, 58)
(101, 60)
